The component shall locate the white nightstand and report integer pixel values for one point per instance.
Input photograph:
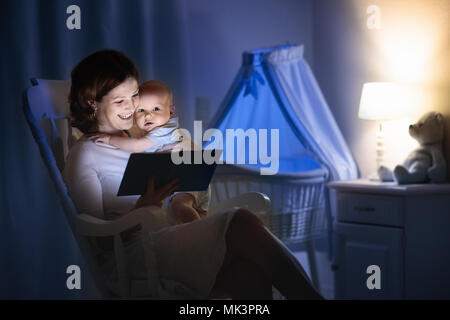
(404, 230)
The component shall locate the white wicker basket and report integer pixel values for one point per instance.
(297, 205)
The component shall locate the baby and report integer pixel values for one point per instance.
(158, 125)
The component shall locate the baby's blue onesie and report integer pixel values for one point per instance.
(166, 134)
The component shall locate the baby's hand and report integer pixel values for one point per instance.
(102, 137)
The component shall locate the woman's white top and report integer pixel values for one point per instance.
(93, 173)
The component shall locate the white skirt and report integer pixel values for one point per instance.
(188, 258)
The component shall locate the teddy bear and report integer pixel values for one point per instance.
(426, 163)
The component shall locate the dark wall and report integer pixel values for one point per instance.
(218, 32)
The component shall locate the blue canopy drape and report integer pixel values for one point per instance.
(276, 89)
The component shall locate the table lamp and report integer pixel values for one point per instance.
(383, 101)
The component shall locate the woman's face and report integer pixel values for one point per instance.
(115, 110)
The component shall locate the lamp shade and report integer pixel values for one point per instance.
(384, 101)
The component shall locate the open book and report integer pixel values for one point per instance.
(194, 175)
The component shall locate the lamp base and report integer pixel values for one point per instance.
(379, 151)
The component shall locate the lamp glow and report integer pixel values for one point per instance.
(383, 101)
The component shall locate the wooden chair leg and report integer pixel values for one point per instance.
(312, 263)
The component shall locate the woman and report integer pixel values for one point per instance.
(226, 254)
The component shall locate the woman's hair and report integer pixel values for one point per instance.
(92, 79)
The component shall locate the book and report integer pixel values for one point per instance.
(194, 175)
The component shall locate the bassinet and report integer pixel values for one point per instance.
(276, 90)
(298, 200)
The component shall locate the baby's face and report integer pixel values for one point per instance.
(153, 111)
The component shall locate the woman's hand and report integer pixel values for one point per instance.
(153, 197)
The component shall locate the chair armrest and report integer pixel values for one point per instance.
(255, 202)
(150, 218)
